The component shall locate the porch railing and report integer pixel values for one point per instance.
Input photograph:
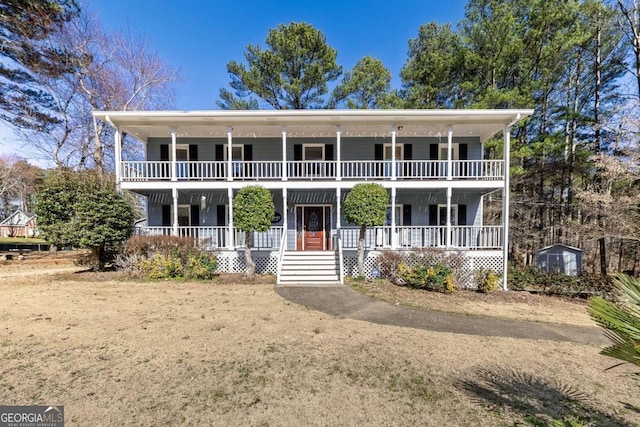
(145, 171)
(463, 237)
(310, 170)
(217, 237)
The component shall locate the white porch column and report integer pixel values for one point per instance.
(231, 237)
(394, 130)
(118, 153)
(285, 208)
(505, 206)
(448, 239)
(284, 153)
(338, 209)
(229, 154)
(174, 163)
(394, 238)
(338, 168)
(449, 153)
(174, 220)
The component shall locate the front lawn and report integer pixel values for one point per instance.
(219, 353)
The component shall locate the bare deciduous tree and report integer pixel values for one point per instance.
(110, 72)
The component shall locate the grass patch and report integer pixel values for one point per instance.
(22, 240)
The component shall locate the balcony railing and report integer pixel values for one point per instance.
(310, 170)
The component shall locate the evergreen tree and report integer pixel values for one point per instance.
(365, 206)
(293, 72)
(26, 51)
(85, 210)
(434, 70)
(366, 86)
(253, 210)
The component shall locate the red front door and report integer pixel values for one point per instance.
(313, 228)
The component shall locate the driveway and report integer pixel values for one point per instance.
(341, 301)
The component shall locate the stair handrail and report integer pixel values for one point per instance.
(340, 263)
(283, 245)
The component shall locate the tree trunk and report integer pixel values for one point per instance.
(603, 256)
(361, 251)
(96, 261)
(250, 265)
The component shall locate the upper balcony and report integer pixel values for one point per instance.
(135, 171)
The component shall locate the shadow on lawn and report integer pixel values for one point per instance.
(539, 401)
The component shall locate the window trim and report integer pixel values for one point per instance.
(399, 145)
(454, 215)
(313, 145)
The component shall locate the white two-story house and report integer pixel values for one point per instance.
(432, 162)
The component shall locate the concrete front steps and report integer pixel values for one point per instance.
(309, 268)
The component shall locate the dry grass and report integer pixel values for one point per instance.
(38, 261)
(172, 353)
(507, 305)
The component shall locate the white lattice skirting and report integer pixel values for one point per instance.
(473, 261)
(233, 261)
(267, 262)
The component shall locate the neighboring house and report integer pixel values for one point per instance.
(19, 224)
(560, 258)
(431, 161)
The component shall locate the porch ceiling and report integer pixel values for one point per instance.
(312, 123)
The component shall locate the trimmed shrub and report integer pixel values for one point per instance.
(389, 263)
(166, 257)
(201, 266)
(435, 277)
(487, 280)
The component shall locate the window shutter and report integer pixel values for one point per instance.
(248, 157)
(164, 152)
(219, 152)
(433, 151)
(193, 152)
(166, 215)
(462, 214)
(328, 156)
(408, 152)
(193, 157)
(433, 214)
(195, 215)
(408, 155)
(328, 152)
(297, 152)
(406, 215)
(221, 215)
(379, 152)
(379, 155)
(463, 151)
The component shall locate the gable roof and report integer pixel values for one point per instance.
(557, 245)
(18, 218)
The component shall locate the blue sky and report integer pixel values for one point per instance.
(201, 37)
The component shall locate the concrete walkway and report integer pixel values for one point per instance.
(341, 301)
